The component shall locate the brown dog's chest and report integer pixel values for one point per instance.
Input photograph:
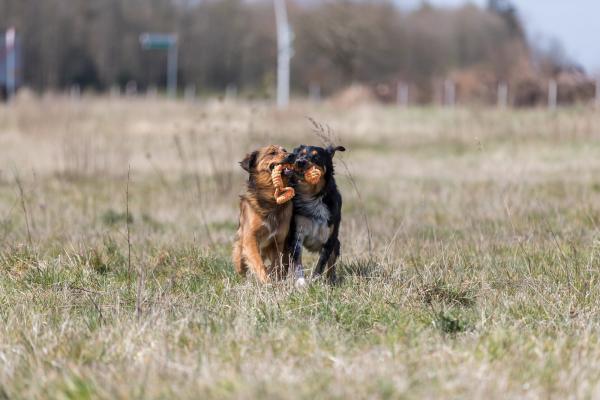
(274, 226)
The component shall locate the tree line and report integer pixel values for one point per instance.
(95, 44)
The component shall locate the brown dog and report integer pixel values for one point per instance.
(264, 225)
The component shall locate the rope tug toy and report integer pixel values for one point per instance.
(312, 175)
(285, 194)
(282, 194)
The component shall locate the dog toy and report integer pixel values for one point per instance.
(282, 194)
(312, 175)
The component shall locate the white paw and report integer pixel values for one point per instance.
(300, 283)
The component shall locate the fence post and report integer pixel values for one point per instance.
(502, 95)
(231, 92)
(402, 94)
(314, 92)
(115, 91)
(190, 92)
(152, 92)
(449, 93)
(75, 92)
(131, 88)
(552, 94)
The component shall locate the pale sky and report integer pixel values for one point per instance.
(575, 23)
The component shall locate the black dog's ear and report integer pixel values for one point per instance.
(331, 150)
(249, 161)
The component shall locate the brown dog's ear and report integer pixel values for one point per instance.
(331, 150)
(249, 162)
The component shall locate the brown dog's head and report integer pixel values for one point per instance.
(263, 160)
(259, 164)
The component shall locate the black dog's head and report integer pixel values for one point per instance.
(305, 157)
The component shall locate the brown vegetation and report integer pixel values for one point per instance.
(483, 279)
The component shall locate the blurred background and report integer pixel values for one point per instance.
(518, 53)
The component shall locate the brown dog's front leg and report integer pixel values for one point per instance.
(238, 259)
(253, 258)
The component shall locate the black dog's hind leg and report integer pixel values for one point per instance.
(330, 271)
(330, 250)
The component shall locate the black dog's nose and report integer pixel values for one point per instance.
(301, 163)
(289, 159)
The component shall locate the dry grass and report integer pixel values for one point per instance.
(484, 280)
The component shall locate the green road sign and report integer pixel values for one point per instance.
(157, 41)
(164, 41)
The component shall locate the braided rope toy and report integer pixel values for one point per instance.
(282, 194)
(312, 175)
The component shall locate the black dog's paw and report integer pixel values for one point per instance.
(332, 278)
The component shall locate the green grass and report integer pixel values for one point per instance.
(483, 279)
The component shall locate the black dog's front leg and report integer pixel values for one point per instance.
(328, 256)
(297, 259)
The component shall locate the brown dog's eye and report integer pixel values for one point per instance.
(272, 152)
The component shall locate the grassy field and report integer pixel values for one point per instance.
(483, 280)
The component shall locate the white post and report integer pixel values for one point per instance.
(75, 92)
(449, 93)
(190, 92)
(11, 62)
(131, 88)
(552, 94)
(152, 92)
(115, 91)
(231, 92)
(402, 94)
(284, 54)
(314, 92)
(502, 94)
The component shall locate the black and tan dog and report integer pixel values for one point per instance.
(317, 211)
(264, 225)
